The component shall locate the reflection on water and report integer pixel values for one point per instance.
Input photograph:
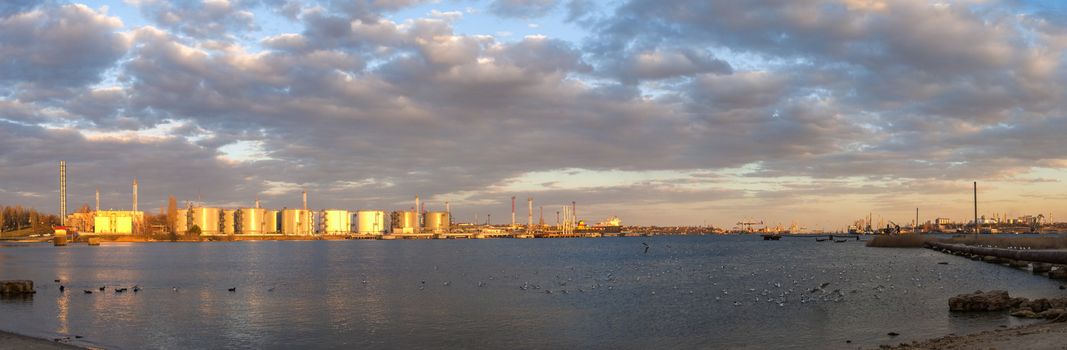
(687, 292)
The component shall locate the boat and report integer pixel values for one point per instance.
(611, 225)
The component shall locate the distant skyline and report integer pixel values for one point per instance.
(661, 112)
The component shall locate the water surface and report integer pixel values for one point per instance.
(686, 292)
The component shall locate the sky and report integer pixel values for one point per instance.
(662, 112)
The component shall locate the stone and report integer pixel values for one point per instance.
(1051, 313)
(996, 300)
(1024, 313)
(1040, 267)
(16, 287)
(1059, 274)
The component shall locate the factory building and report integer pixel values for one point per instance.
(334, 221)
(370, 222)
(116, 222)
(403, 221)
(436, 222)
(81, 222)
(181, 223)
(297, 222)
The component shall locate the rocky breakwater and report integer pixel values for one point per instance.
(16, 287)
(998, 300)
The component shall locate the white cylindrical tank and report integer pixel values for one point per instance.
(270, 221)
(403, 221)
(436, 222)
(297, 222)
(370, 222)
(181, 222)
(208, 220)
(252, 221)
(335, 221)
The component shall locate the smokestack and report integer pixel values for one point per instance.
(98, 199)
(305, 193)
(574, 212)
(448, 209)
(257, 202)
(418, 212)
(63, 192)
(134, 194)
(529, 221)
(541, 222)
(976, 230)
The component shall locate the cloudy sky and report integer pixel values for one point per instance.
(659, 111)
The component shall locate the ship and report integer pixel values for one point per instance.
(611, 225)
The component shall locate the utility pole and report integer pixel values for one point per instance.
(976, 225)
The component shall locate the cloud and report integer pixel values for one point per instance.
(58, 46)
(784, 107)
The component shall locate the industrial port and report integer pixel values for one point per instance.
(195, 221)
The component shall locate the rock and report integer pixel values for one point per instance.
(978, 301)
(1051, 313)
(16, 287)
(1017, 263)
(1062, 287)
(1024, 313)
(1040, 267)
(1059, 274)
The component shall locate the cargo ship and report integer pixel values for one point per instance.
(611, 225)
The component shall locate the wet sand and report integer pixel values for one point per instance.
(22, 342)
(1038, 336)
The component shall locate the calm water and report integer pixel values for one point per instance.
(686, 292)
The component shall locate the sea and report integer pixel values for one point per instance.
(682, 292)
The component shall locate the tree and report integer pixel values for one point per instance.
(172, 214)
(195, 230)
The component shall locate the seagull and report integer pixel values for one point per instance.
(136, 288)
(61, 288)
(174, 289)
(646, 247)
(271, 289)
(234, 289)
(88, 291)
(102, 288)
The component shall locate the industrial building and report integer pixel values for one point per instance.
(209, 220)
(370, 222)
(270, 221)
(335, 221)
(117, 222)
(228, 222)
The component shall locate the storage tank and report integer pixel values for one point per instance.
(252, 221)
(270, 221)
(228, 218)
(370, 222)
(208, 219)
(181, 222)
(297, 222)
(436, 222)
(403, 221)
(335, 221)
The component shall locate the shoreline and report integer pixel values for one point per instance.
(9, 340)
(1035, 336)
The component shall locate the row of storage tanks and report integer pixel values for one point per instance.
(213, 221)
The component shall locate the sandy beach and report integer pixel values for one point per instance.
(1038, 336)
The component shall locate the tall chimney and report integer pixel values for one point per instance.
(976, 226)
(305, 194)
(257, 202)
(448, 209)
(63, 192)
(134, 194)
(529, 222)
(574, 212)
(418, 212)
(98, 199)
(513, 212)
